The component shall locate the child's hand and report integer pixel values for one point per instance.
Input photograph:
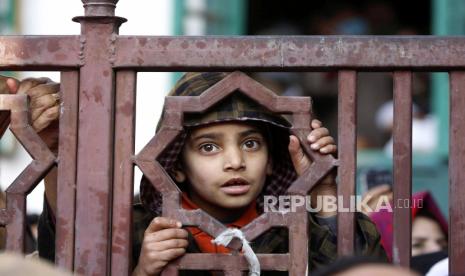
(164, 241)
(319, 140)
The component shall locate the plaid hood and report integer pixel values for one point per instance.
(236, 107)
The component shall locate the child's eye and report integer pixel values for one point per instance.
(251, 144)
(417, 245)
(442, 243)
(208, 148)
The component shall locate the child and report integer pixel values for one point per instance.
(230, 157)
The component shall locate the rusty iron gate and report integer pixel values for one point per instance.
(98, 80)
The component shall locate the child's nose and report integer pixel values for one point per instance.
(234, 159)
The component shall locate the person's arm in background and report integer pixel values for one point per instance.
(44, 111)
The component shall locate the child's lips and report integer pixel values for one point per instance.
(235, 186)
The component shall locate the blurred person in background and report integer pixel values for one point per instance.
(429, 226)
(424, 128)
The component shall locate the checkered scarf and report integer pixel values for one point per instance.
(236, 107)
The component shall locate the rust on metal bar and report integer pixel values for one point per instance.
(191, 261)
(309, 53)
(297, 222)
(299, 242)
(39, 52)
(457, 174)
(347, 136)
(15, 230)
(94, 180)
(121, 244)
(402, 170)
(66, 175)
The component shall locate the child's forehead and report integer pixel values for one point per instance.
(226, 128)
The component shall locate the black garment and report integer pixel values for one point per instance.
(322, 249)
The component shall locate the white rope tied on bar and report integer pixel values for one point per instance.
(226, 237)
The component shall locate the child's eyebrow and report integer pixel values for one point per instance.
(207, 136)
(249, 132)
(420, 239)
(218, 135)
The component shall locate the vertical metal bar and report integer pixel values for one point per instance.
(457, 174)
(123, 173)
(95, 149)
(298, 242)
(15, 229)
(347, 135)
(66, 178)
(402, 133)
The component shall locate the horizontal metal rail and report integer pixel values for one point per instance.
(260, 53)
(95, 165)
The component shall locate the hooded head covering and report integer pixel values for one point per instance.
(236, 107)
(421, 202)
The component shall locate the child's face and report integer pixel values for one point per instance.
(226, 165)
(427, 236)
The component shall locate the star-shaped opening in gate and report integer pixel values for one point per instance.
(299, 110)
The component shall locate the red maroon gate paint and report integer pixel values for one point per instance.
(99, 70)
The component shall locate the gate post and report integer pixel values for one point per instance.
(94, 181)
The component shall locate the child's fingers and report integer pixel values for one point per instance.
(317, 134)
(294, 145)
(167, 244)
(168, 234)
(295, 150)
(329, 149)
(322, 142)
(316, 124)
(152, 268)
(171, 254)
(298, 157)
(160, 223)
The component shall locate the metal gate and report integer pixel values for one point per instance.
(98, 80)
